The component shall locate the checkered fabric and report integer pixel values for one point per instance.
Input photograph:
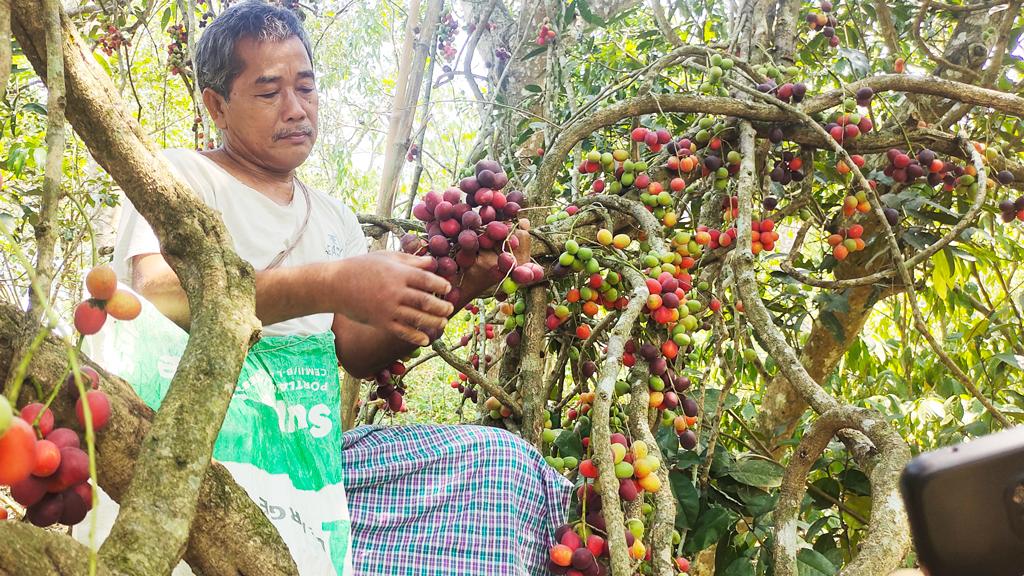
(433, 500)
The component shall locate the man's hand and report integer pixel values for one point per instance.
(393, 292)
(480, 279)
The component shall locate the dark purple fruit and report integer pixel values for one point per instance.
(485, 164)
(446, 267)
(689, 406)
(865, 94)
(892, 216)
(438, 245)
(29, 491)
(47, 511)
(469, 185)
(1004, 177)
(688, 440)
(775, 135)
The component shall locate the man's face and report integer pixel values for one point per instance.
(271, 115)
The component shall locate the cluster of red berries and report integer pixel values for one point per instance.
(545, 35)
(177, 51)
(446, 33)
(904, 168)
(113, 40)
(788, 169)
(48, 474)
(787, 92)
(654, 139)
(107, 298)
(825, 22)
(846, 241)
(390, 387)
(848, 125)
(462, 221)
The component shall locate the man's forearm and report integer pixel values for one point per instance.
(364, 350)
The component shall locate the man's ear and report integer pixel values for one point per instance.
(215, 105)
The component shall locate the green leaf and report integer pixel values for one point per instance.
(1010, 359)
(711, 525)
(532, 88)
(756, 471)
(35, 108)
(687, 499)
(569, 444)
(940, 274)
(739, 567)
(833, 324)
(813, 563)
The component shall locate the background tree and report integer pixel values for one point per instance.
(889, 305)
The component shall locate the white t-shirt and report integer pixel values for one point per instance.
(259, 227)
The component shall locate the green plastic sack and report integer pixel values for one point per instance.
(281, 438)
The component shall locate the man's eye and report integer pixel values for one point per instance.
(268, 95)
(307, 90)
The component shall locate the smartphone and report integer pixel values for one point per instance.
(966, 506)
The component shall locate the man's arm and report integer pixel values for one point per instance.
(387, 290)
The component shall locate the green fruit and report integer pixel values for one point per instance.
(558, 463)
(6, 414)
(646, 508)
(613, 278)
(612, 294)
(519, 307)
(621, 387)
(627, 179)
(627, 166)
(664, 199)
(715, 72)
(571, 246)
(694, 306)
(677, 538)
(750, 355)
(721, 184)
(592, 266)
(806, 214)
(733, 157)
(703, 286)
(548, 436)
(705, 122)
(722, 173)
(495, 415)
(849, 105)
(623, 470)
(574, 353)
(716, 59)
(566, 259)
(585, 253)
(656, 383)
(636, 526)
(593, 156)
(850, 244)
(650, 260)
(607, 158)
(702, 136)
(615, 421)
(509, 286)
(510, 323)
(690, 322)
(727, 64)
(570, 462)
(792, 71)
(683, 340)
(640, 166)
(615, 187)
(520, 319)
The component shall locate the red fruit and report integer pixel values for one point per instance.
(561, 555)
(855, 231)
(899, 66)
(571, 539)
(677, 184)
(767, 225)
(17, 452)
(596, 544)
(64, 438)
(639, 134)
(670, 349)
(663, 136)
(651, 139)
(858, 160)
(47, 458)
(588, 469)
(842, 168)
(837, 133)
(796, 164)
(74, 469)
(3, 513)
(840, 252)
(851, 131)
(31, 412)
(101, 282)
(715, 305)
(89, 317)
(682, 564)
(29, 491)
(583, 331)
(99, 408)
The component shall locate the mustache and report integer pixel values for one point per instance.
(306, 130)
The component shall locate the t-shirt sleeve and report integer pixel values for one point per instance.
(135, 237)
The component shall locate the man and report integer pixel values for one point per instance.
(422, 499)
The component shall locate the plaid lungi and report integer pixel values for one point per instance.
(432, 500)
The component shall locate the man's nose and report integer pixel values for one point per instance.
(292, 109)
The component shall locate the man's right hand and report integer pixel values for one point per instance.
(393, 292)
